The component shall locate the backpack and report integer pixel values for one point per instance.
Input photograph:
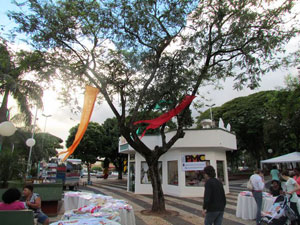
(249, 185)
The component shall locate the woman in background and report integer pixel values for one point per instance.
(275, 173)
(291, 187)
(297, 178)
(11, 200)
(275, 188)
(33, 202)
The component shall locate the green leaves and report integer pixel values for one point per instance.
(14, 67)
(240, 38)
(267, 119)
(91, 145)
(11, 167)
(142, 52)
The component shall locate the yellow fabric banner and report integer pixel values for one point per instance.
(88, 106)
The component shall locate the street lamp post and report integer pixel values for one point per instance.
(30, 143)
(210, 110)
(46, 117)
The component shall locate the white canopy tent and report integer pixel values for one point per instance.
(288, 158)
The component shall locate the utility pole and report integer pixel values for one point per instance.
(30, 151)
(46, 117)
(210, 110)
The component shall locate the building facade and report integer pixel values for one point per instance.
(181, 168)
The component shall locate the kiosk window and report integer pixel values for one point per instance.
(173, 172)
(145, 176)
(220, 171)
(195, 178)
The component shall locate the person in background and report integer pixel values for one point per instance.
(214, 198)
(291, 187)
(33, 202)
(11, 199)
(297, 178)
(257, 180)
(275, 188)
(275, 173)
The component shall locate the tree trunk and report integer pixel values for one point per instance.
(120, 168)
(158, 204)
(120, 173)
(3, 108)
(89, 173)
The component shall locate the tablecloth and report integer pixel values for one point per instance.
(87, 221)
(246, 205)
(75, 200)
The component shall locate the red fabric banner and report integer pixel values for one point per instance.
(157, 122)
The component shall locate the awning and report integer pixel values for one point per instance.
(288, 158)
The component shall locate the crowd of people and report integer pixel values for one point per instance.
(214, 195)
(283, 183)
(14, 200)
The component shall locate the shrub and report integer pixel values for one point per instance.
(12, 167)
(97, 168)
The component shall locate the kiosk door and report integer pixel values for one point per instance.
(132, 176)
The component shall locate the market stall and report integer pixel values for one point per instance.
(246, 205)
(293, 157)
(85, 205)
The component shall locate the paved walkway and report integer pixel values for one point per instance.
(189, 208)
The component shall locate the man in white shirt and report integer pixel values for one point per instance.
(257, 181)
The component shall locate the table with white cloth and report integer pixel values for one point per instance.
(246, 205)
(79, 200)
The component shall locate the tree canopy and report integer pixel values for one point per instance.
(262, 121)
(14, 67)
(14, 154)
(90, 145)
(111, 144)
(148, 51)
(40, 152)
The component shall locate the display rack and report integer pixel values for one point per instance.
(51, 172)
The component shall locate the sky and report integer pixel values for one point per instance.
(61, 120)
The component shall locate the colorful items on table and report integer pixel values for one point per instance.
(246, 193)
(103, 213)
(104, 208)
(86, 221)
(249, 194)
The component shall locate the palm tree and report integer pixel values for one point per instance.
(13, 69)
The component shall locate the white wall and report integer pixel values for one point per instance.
(181, 190)
(212, 142)
(204, 138)
(216, 138)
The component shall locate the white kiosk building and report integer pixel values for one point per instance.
(181, 168)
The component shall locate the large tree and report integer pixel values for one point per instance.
(291, 113)
(15, 148)
(13, 70)
(111, 144)
(111, 141)
(40, 152)
(148, 51)
(90, 146)
(264, 120)
(247, 117)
